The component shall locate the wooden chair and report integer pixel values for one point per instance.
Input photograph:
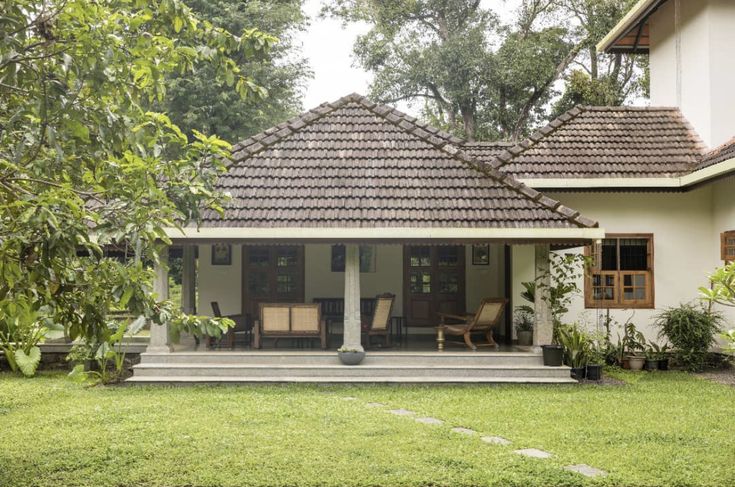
(290, 320)
(243, 326)
(484, 320)
(379, 323)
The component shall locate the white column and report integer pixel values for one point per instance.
(352, 339)
(159, 341)
(188, 293)
(543, 329)
(188, 280)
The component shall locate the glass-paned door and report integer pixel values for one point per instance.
(272, 275)
(434, 278)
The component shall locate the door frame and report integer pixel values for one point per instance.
(434, 270)
(301, 251)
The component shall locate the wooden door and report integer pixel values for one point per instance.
(272, 275)
(434, 282)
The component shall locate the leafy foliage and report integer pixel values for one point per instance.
(691, 331)
(481, 78)
(88, 172)
(722, 286)
(577, 345)
(199, 100)
(21, 330)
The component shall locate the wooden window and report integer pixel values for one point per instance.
(622, 273)
(727, 240)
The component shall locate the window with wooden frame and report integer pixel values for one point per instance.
(727, 241)
(621, 275)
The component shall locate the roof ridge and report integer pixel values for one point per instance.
(261, 141)
(630, 108)
(716, 150)
(694, 136)
(507, 156)
(448, 145)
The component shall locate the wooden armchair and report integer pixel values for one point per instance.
(243, 326)
(379, 323)
(487, 316)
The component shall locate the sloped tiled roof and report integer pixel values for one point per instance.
(719, 154)
(609, 142)
(353, 163)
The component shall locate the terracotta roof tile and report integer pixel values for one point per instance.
(612, 142)
(719, 154)
(353, 163)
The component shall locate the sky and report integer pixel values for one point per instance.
(328, 46)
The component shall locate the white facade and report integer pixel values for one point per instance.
(691, 55)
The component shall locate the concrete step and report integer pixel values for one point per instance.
(374, 371)
(192, 380)
(330, 358)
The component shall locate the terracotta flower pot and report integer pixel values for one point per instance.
(636, 363)
(525, 338)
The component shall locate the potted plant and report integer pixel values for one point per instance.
(524, 326)
(633, 347)
(663, 356)
(350, 356)
(576, 349)
(596, 357)
(651, 357)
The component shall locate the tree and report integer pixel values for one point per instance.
(601, 79)
(198, 100)
(86, 167)
(476, 76)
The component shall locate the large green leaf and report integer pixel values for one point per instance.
(28, 363)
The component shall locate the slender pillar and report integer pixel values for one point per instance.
(352, 339)
(188, 294)
(544, 328)
(188, 280)
(159, 341)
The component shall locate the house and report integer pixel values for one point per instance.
(353, 199)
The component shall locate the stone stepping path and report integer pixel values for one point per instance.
(429, 421)
(581, 468)
(586, 470)
(464, 431)
(495, 440)
(533, 453)
(401, 412)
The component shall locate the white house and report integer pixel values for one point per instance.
(355, 199)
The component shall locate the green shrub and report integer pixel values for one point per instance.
(691, 330)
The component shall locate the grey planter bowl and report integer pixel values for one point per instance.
(525, 338)
(351, 358)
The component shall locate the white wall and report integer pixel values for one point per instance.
(682, 229)
(692, 64)
(219, 283)
(723, 217)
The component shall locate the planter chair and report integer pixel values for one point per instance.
(379, 323)
(483, 321)
(290, 320)
(243, 327)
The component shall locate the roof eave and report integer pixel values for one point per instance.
(383, 234)
(635, 15)
(694, 178)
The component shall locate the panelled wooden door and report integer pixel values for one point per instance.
(434, 282)
(271, 274)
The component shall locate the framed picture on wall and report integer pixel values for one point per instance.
(221, 254)
(481, 254)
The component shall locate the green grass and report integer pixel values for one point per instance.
(664, 429)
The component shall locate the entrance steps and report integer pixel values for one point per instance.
(325, 367)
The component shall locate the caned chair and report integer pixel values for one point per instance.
(484, 320)
(243, 326)
(290, 320)
(379, 323)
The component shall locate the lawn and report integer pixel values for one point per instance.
(661, 429)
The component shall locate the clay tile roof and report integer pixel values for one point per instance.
(719, 154)
(608, 142)
(353, 163)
